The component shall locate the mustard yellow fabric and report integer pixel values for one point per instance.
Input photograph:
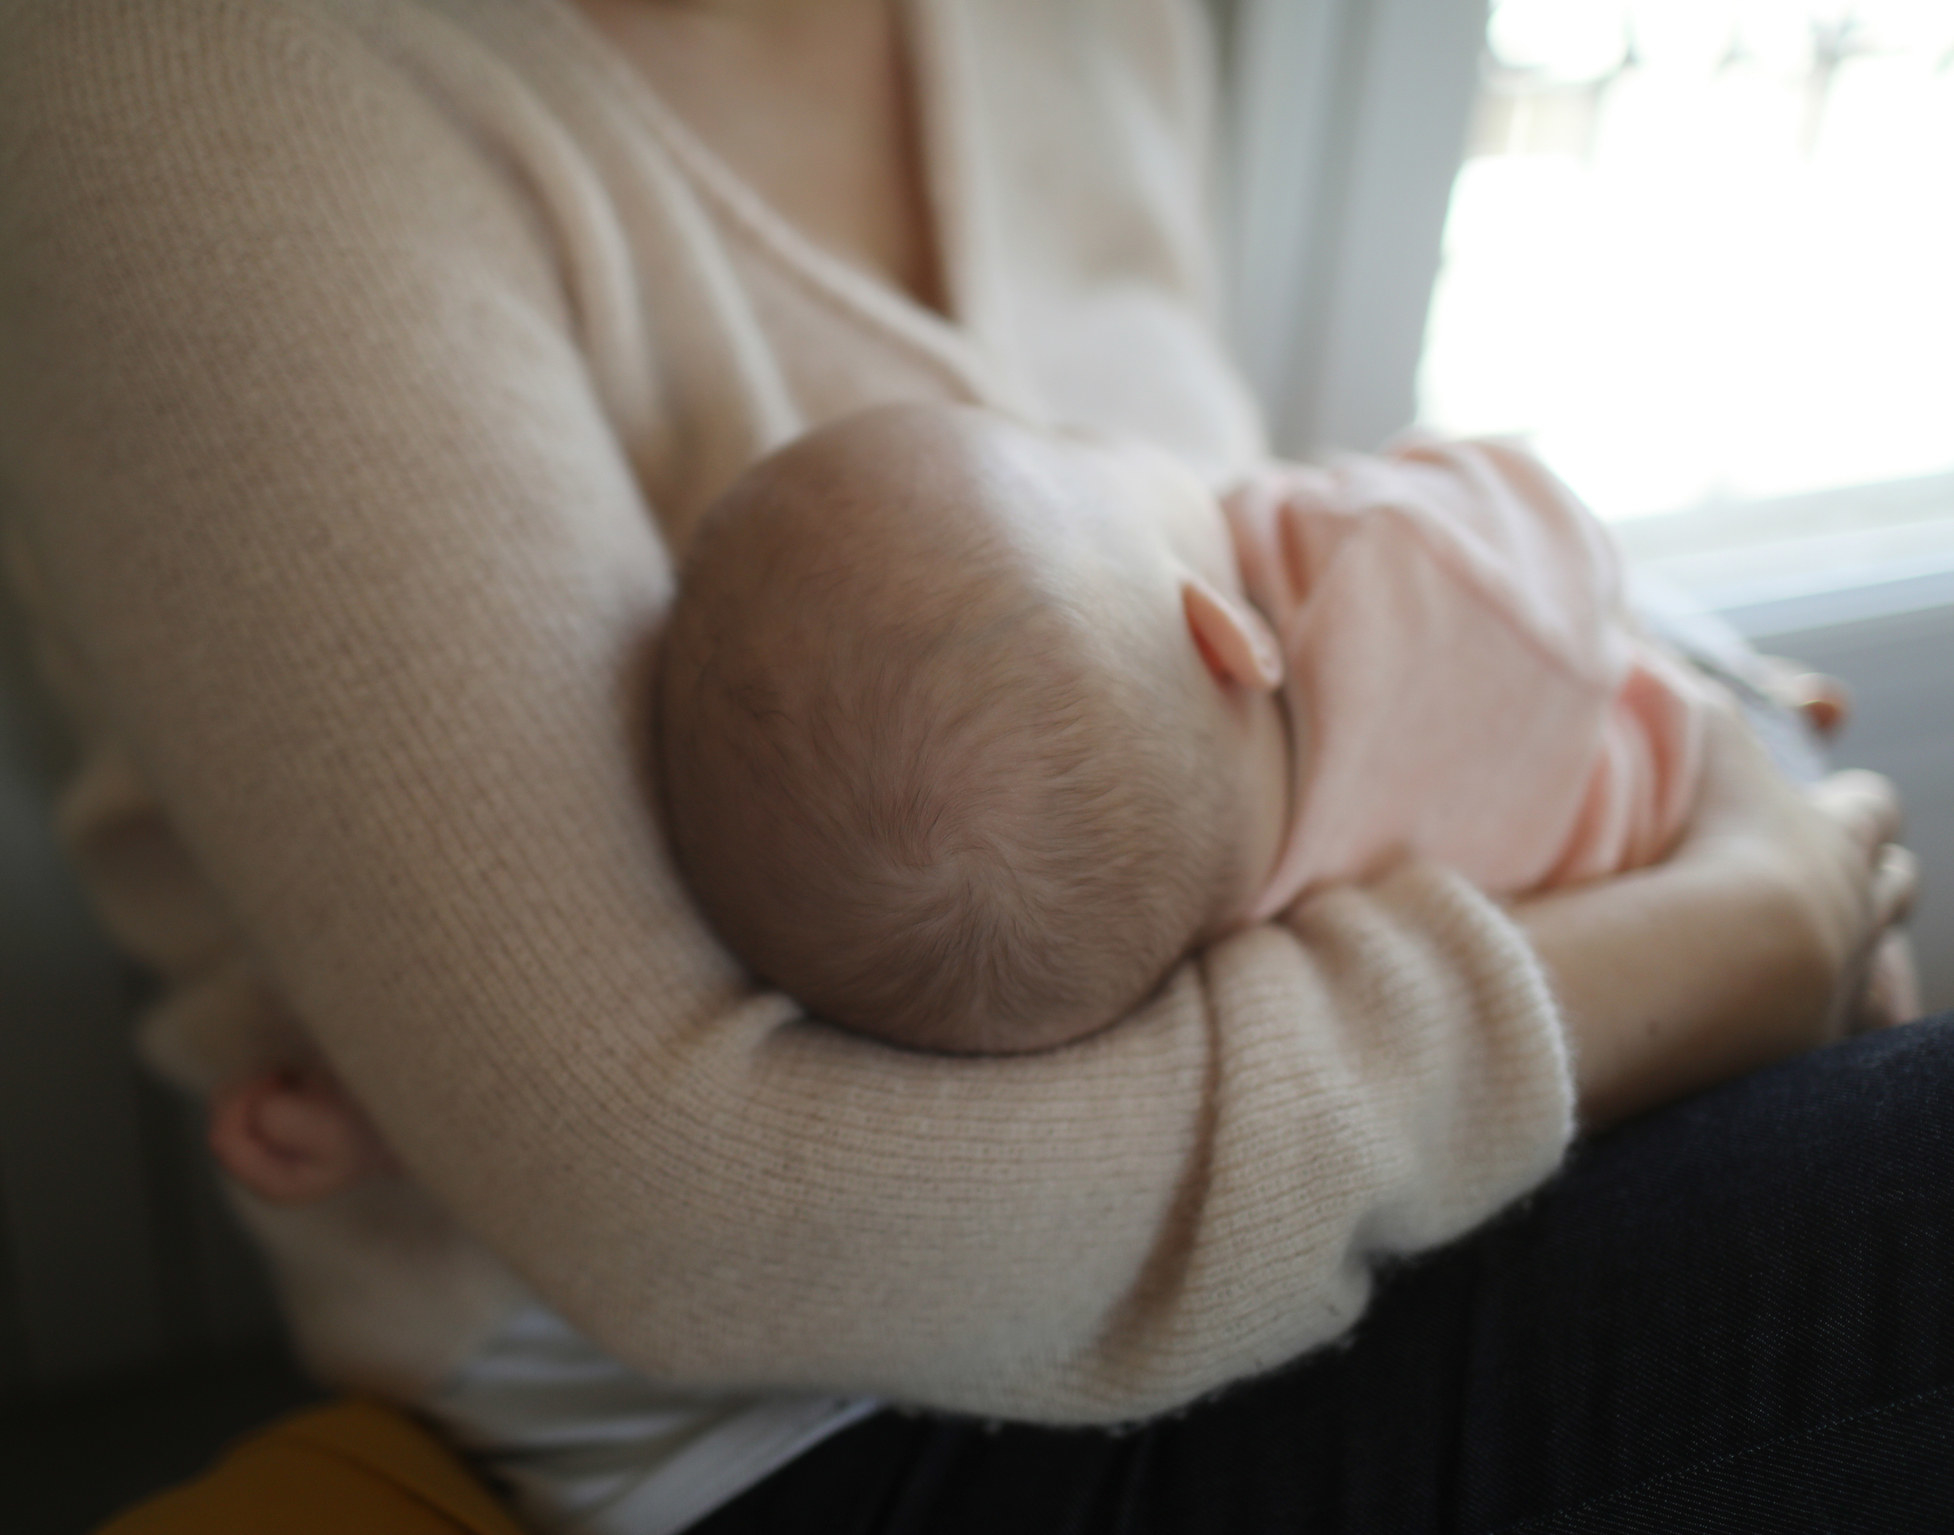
(355, 1466)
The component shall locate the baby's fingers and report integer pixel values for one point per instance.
(1823, 700)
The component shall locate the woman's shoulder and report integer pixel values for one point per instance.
(252, 69)
(240, 132)
(58, 51)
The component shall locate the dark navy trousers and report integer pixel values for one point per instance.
(1736, 1314)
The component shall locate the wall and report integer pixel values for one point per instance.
(1900, 667)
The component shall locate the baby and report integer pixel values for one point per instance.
(968, 731)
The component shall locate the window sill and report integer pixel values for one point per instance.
(1832, 558)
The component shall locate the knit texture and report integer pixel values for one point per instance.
(363, 365)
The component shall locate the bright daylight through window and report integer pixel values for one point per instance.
(1702, 252)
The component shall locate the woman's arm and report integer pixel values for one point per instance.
(1750, 944)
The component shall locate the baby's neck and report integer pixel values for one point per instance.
(1264, 765)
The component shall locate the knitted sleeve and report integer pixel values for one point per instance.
(322, 498)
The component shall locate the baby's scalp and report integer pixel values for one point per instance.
(922, 764)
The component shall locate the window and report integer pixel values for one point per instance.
(1702, 252)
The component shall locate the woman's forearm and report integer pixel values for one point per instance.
(1670, 980)
(1746, 946)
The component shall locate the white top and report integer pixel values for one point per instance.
(584, 1446)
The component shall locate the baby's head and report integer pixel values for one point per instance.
(966, 732)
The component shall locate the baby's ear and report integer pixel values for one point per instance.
(1233, 639)
(292, 1136)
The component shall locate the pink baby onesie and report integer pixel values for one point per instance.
(1463, 682)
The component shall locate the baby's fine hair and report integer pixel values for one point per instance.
(901, 775)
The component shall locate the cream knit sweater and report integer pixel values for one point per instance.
(363, 363)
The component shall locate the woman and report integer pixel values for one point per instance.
(367, 363)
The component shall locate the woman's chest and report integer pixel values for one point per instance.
(719, 315)
(814, 107)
